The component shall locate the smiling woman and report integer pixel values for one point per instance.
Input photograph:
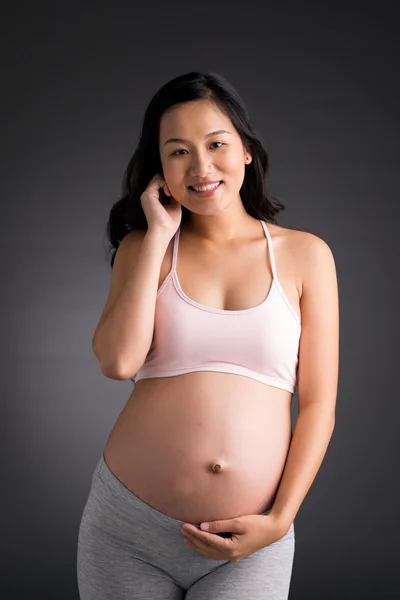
(217, 313)
(199, 159)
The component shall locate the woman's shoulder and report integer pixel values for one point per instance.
(296, 237)
(311, 253)
(301, 248)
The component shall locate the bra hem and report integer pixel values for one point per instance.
(274, 382)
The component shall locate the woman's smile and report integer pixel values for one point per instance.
(207, 193)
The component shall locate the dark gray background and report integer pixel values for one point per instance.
(322, 89)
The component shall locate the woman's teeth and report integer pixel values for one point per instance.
(206, 188)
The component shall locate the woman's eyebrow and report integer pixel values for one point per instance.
(205, 137)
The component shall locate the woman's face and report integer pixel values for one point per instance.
(197, 158)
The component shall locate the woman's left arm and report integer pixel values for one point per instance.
(317, 378)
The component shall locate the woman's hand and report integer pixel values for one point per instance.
(165, 217)
(249, 534)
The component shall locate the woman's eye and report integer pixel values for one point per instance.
(182, 150)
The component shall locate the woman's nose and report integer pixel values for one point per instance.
(200, 168)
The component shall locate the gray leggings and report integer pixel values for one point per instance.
(128, 550)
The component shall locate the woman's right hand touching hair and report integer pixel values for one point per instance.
(165, 218)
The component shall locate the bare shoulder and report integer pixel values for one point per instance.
(135, 235)
(309, 252)
(296, 239)
(131, 241)
(124, 259)
(319, 303)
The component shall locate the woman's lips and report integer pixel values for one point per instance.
(207, 193)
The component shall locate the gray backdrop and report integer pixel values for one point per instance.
(321, 86)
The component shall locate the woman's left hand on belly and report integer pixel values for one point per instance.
(250, 533)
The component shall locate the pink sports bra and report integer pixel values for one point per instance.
(260, 342)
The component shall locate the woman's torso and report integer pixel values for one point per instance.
(174, 430)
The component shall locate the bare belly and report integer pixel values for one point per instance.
(173, 432)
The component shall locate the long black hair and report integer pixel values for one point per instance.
(127, 213)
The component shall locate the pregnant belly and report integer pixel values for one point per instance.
(202, 446)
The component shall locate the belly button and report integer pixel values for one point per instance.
(217, 468)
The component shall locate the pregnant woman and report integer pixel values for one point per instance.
(217, 313)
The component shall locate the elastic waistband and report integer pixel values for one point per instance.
(128, 500)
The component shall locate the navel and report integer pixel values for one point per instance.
(216, 468)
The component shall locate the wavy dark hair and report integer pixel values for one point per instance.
(127, 213)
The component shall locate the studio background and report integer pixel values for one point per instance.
(321, 86)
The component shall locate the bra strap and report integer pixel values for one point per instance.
(175, 249)
(270, 250)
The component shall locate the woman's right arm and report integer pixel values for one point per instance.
(124, 333)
